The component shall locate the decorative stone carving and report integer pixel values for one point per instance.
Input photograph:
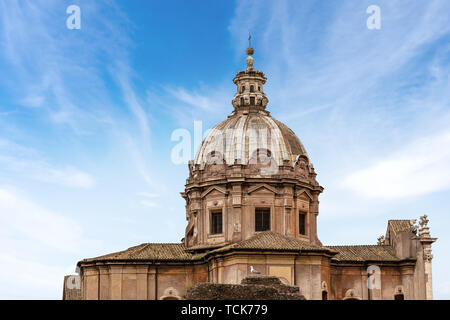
(301, 170)
(381, 241)
(413, 225)
(427, 255)
(424, 230)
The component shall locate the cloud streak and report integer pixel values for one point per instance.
(21, 216)
(28, 163)
(417, 169)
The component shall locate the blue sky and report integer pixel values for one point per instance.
(86, 118)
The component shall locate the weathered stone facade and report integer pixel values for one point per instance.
(252, 201)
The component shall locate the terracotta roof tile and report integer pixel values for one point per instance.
(269, 240)
(206, 247)
(266, 240)
(399, 225)
(150, 251)
(365, 253)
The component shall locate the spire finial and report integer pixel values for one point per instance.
(249, 50)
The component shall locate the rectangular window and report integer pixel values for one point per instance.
(216, 222)
(302, 223)
(262, 219)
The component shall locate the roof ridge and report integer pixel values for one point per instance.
(359, 245)
(271, 240)
(164, 243)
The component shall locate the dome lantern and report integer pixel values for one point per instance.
(250, 94)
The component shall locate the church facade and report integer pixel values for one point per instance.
(252, 201)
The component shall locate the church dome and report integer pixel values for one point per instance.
(245, 133)
(250, 130)
(250, 174)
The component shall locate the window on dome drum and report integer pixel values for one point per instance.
(302, 223)
(242, 101)
(262, 219)
(242, 89)
(216, 222)
(252, 101)
(252, 88)
(259, 88)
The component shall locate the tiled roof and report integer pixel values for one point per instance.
(399, 225)
(206, 247)
(266, 240)
(269, 240)
(149, 251)
(365, 253)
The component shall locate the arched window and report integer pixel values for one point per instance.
(252, 101)
(242, 101)
(242, 89)
(252, 88)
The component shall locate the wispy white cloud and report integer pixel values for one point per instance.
(68, 176)
(194, 99)
(205, 102)
(33, 101)
(38, 244)
(332, 61)
(38, 280)
(148, 194)
(132, 101)
(41, 80)
(148, 203)
(28, 163)
(65, 78)
(419, 168)
(21, 216)
(148, 199)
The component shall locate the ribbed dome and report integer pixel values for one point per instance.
(238, 138)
